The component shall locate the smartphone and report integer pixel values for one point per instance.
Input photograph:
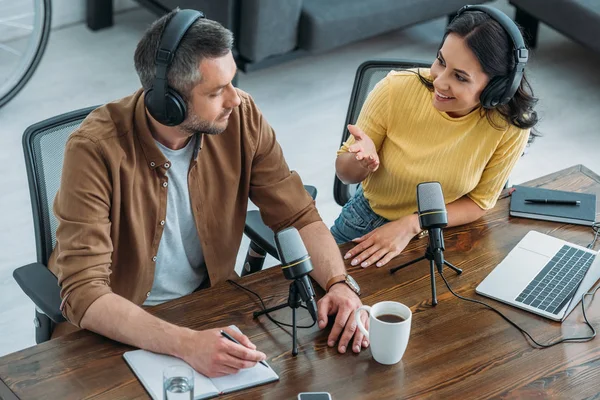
(314, 396)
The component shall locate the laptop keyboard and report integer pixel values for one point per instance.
(554, 286)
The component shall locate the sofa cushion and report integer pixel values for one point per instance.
(332, 23)
(267, 27)
(577, 19)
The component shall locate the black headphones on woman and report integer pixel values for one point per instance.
(501, 89)
(163, 102)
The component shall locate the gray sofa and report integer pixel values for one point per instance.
(577, 19)
(273, 31)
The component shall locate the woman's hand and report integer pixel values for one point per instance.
(363, 149)
(384, 243)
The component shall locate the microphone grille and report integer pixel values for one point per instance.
(430, 197)
(290, 245)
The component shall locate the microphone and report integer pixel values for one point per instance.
(433, 217)
(296, 264)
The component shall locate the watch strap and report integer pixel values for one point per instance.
(334, 280)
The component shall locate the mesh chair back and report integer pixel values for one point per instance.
(44, 148)
(367, 76)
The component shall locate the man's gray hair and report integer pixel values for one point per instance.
(204, 39)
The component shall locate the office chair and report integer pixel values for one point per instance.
(262, 239)
(44, 146)
(367, 76)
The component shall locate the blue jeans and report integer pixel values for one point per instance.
(356, 219)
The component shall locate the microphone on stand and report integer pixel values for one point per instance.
(296, 265)
(433, 217)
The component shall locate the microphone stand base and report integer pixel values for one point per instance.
(294, 302)
(429, 256)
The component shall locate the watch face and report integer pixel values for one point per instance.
(352, 283)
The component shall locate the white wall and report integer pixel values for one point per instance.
(66, 12)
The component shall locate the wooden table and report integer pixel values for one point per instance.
(456, 350)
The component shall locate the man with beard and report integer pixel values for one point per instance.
(154, 194)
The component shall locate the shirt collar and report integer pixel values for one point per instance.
(154, 157)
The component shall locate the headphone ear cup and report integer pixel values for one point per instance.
(176, 108)
(492, 94)
(150, 103)
(174, 105)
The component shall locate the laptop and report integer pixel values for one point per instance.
(544, 275)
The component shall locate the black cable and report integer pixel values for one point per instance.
(262, 304)
(523, 331)
(596, 229)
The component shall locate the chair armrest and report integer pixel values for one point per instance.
(260, 233)
(312, 191)
(343, 192)
(41, 286)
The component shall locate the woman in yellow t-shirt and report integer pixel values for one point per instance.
(464, 123)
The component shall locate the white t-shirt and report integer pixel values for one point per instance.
(180, 267)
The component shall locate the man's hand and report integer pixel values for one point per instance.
(384, 243)
(343, 301)
(363, 149)
(209, 353)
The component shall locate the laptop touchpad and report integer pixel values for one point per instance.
(513, 274)
(524, 265)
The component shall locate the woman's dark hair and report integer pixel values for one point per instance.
(494, 50)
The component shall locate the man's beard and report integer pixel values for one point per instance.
(194, 125)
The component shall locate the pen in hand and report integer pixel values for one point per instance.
(228, 336)
(554, 201)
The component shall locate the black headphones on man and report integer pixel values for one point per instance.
(501, 89)
(163, 102)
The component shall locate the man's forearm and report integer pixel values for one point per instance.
(324, 252)
(119, 319)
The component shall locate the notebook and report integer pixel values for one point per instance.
(582, 214)
(544, 275)
(149, 367)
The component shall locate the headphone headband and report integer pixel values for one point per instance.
(171, 36)
(173, 33)
(520, 52)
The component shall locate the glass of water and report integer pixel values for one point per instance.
(178, 383)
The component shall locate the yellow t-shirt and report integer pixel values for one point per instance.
(417, 143)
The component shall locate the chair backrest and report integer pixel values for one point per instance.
(367, 76)
(44, 148)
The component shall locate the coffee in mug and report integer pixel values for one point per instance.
(390, 318)
(389, 330)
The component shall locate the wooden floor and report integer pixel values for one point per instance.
(305, 101)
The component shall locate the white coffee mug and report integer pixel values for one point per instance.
(388, 340)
